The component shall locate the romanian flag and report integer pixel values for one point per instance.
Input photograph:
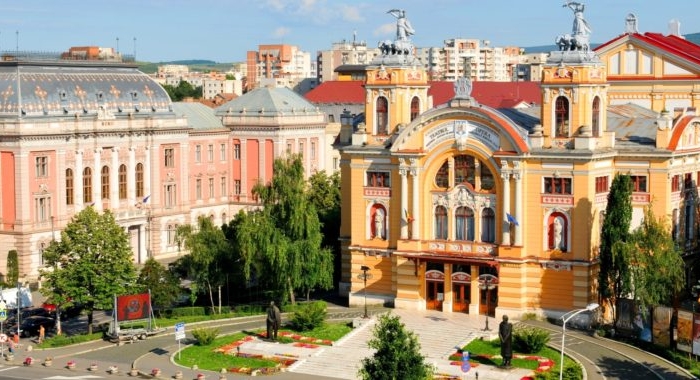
(407, 215)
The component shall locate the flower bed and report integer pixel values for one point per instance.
(543, 364)
(305, 339)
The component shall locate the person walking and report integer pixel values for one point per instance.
(42, 331)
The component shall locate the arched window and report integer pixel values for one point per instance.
(139, 181)
(69, 187)
(441, 222)
(87, 185)
(378, 225)
(415, 107)
(595, 121)
(561, 116)
(105, 182)
(122, 181)
(488, 225)
(464, 170)
(464, 224)
(558, 230)
(223, 218)
(442, 178)
(382, 116)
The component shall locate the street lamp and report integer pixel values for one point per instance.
(364, 276)
(486, 282)
(564, 318)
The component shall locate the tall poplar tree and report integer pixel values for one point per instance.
(614, 276)
(91, 263)
(281, 243)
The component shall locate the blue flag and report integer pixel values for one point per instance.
(511, 219)
(145, 199)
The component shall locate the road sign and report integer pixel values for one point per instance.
(180, 331)
(3, 315)
(3, 338)
(465, 362)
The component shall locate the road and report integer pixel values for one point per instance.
(605, 359)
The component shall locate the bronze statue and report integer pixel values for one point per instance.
(505, 333)
(274, 319)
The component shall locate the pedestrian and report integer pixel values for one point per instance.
(42, 331)
(11, 346)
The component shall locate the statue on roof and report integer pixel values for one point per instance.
(403, 26)
(580, 26)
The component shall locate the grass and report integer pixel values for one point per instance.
(205, 357)
(491, 348)
(65, 340)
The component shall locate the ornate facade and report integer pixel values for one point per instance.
(465, 208)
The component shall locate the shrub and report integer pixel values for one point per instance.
(529, 340)
(215, 310)
(188, 311)
(309, 316)
(529, 317)
(205, 336)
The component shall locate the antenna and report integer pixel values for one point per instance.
(134, 49)
(17, 42)
(117, 44)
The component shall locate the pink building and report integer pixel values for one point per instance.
(81, 133)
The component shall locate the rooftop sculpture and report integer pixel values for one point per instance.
(399, 50)
(576, 45)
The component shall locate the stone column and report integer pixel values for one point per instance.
(505, 236)
(78, 181)
(475, 295)
(147, 176)
(517, 175)
(97, 181)
(415, 227)
(131, 178)
(114, 180)
(403, 172)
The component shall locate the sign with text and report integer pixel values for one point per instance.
(133, 307)
(180, 331)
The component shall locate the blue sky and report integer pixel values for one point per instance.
(223, 30)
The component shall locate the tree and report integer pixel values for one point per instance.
(208, 259)
(397, 353)
(614, 276)
(281, 243)
(160, 282)
(12, 268)
(183, 90)
(90, 264)
(658, 268)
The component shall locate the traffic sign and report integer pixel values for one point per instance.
(3, 338)
(180, 331)
(465, 362)
(3, 315)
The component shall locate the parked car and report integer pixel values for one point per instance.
(66, 312)
(26, 313)
(30, 325)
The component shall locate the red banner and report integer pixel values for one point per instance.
(132, 307)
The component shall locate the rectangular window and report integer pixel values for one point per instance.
(639, 183)
(553, 185)
(236, 151)
(42, 166)
(676, 183)
(222, 152)
(289, 148)
(210, 152)
(69, 187)
(335, 163)
(301, 149)
(42, 208)
(169, 157)
(601, 184)
(313, 150)
(170, 195)
(223, 186)
(198, 189)
(211, 188)
(198, 153)
(237, 186)
(378, 179)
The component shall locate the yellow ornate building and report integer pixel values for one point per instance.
(465, 208)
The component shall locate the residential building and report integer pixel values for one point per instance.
(343, 53)
(279, 65)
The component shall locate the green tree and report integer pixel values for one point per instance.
(397, 353)
(281, 243)
(208, 258)
(160, 282)
(12, 268)
(90, 264)
(183, 90)
(614, 279)
(658, 268)
(325, 195)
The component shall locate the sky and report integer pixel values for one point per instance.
(224, 30)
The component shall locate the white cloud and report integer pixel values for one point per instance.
(351, 13)
(281, 32)
(385, 29)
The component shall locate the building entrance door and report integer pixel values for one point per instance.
(434, 290)
(461, 292)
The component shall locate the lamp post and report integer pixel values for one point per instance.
(564, 318)
(364, 276)
(487, 283)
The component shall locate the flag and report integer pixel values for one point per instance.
(145, 199)
(407, 215)
(511, 219)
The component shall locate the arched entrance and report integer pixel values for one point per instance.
(461, 292)
(434, 289)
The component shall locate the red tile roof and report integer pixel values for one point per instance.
(672, 44)
(492, 94)
(347, 92)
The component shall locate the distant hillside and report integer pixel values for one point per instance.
(201, 65)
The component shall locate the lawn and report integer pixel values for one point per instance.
(205, 357)
(488, 352)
